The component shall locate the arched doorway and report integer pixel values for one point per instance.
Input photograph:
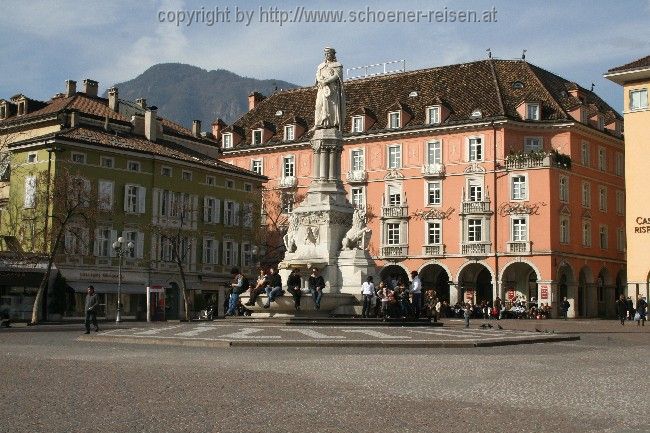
(566, 289)
(475, 282)
(519, 279)
(393, 273)
(435, 276)
(586, 303)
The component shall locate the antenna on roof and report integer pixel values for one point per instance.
(592, 86)
(489, 51)
(523, 54)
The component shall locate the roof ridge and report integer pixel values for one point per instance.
(553, 98)
(498, 88)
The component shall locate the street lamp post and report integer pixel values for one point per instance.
(121, 250)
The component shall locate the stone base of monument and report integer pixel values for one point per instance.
(354, 266)
(331, 304)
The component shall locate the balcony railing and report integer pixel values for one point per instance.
(396, 211)
(433, 170)
(394, 251)
(470, 207)
(288, 182)
(519, 247)
(357, 176)
(538, 159)
(434, 250)
(475, 249)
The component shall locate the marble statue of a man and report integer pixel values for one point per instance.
(330, 98)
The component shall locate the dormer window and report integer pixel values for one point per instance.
(532, 111)
(289, 133)
(22, 108)
(3, 111)
(257, 136)
(394, 120)
(476, 114)
(357, 124)
(433, 115)
(226, 139)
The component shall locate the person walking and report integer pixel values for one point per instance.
(416, 294)
(92, 303)
(293, 286)
(564, 307)
(316, 284)
(641, 306)
(630, 308)
(239, 286)
(368, 292)
(273, 288)
(467, 312)
(621, 309)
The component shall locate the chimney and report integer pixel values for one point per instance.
(254, 99)
(113, 101)
(138, 124)
(196, 128)
(142, 103)
(217, 127)
(70, 87)
(151, 124)
(91, 87)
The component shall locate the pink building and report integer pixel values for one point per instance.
(491, 178)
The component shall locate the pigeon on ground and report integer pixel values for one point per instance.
(537, 330)
(499, 326)
(483, 326)
(490, 326)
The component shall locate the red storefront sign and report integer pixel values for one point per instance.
(511, 295)
(543, 291)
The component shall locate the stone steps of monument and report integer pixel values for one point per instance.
(330, 321)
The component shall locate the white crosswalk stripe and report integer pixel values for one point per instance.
(313, 334)
(248, 333)
(194, 332)
(155, 331)
(377, 334)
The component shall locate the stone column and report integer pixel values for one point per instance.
(332, 162)
(316, 165)
(323, 164)
(454, 294)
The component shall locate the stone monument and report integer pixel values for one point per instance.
(325, 230)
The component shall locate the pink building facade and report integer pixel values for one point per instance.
(492, 178)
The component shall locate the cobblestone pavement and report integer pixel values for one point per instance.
(232, 334)
(50, 382)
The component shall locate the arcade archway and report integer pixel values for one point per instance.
(475, 281)
(393, 273)
(435, 277)
(586, 304)
(519, 280)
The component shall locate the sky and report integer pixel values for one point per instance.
(43, 43)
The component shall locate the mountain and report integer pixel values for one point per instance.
(183, 92)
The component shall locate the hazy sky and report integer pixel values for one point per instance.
(43, 43)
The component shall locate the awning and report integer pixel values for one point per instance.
(129, 289)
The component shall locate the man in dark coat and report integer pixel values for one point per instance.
(92, 303)
(621, 309)
(564, 306)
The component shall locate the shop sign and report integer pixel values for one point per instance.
(544, 290)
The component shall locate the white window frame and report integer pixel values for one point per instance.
(433, 186)
(355, 193)
(32, 157)
(620, 239)
(254, 135)
(533, 144)
(533, 111)
(186, 175)
(433, 148)
(475, 190)
(586, 233)
(104, 242)
(230, 213)
(229, 253)
(602, 158)
(140, 193)
(585, 153)
(289, 132)
(394, 115)
(288, 166)
(246, 255)
(357, 159)
(226, 140)
(211, 210)
(103, 159)
(396, 163)
(522, 191)
(619, 167)
(602, 198)
(105, 203)
(393, 231)
(166, 171)
(471, 230)
(642, 99)
(136, 166)
(433, 114)
(210, 255)
(475, 149)
(603, 237)
(394, 193)
(586, 194)
(358, 123)
(75, 155)
(565, 229)
(516, 234)
(564, 189)
(261, 165)
(433, 226)
(620, 202)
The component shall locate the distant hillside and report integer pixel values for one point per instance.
(184, 92)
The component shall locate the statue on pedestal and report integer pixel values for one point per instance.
(330, 99)
(358, 235)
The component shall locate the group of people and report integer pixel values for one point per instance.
(392, 298)
(625, 310)
(270, 283)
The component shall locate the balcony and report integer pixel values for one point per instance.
(519, 247)
(357, 176)
(476, 207)
(288, 182)
(476, 249)
(433, 250)
(518, 161)
(394, 251)
(433, 170)
(395, 211)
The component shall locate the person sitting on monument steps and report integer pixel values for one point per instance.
(258, 289)
(293, 287)
(273, 287)
(316, 284)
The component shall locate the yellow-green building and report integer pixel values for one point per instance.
(635, 79)
(148, 176)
